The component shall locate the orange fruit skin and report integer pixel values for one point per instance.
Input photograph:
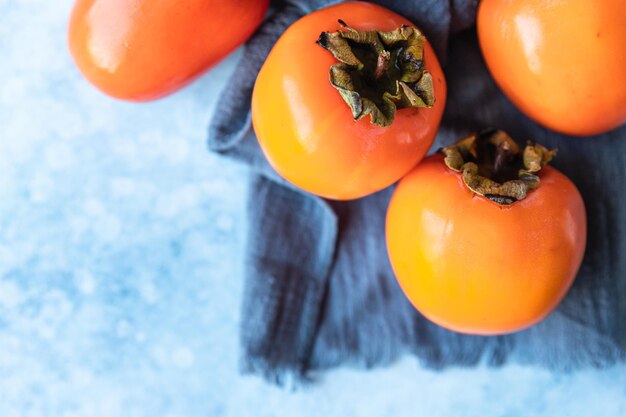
(561, 62)
(142, 50)
(306, 130)
(474, 266)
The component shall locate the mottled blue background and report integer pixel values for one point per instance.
(120, 266)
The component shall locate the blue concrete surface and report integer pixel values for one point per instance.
(120, 276)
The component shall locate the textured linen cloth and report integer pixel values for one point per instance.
(319, 288)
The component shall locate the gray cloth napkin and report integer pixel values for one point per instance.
(319, 289)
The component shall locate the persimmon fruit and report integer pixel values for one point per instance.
(348, 100)
(142, 50)
(560, 62)
(486, 239)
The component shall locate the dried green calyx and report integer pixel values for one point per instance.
(493, 165)
(379, 72)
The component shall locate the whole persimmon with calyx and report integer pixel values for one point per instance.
(348, 100)
(485, 238)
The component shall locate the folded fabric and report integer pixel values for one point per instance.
(319, 289)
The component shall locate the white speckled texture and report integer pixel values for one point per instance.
(120, 277)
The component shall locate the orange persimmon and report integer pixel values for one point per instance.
(142, 49)
(483, 240)
(561, 62)
(325, 113)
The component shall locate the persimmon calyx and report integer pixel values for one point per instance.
(494, 166)
(379, 72)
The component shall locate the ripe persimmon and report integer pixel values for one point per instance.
(344, 108)
(561, 62)
(143, 49)
(486, 239)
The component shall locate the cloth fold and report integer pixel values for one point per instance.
(319, 289)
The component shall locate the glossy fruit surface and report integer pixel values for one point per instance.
(307, 131)
(475, 266)
(561, 62)
(144, 49)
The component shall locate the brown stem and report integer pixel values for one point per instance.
(502, 153)
(382, 64)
